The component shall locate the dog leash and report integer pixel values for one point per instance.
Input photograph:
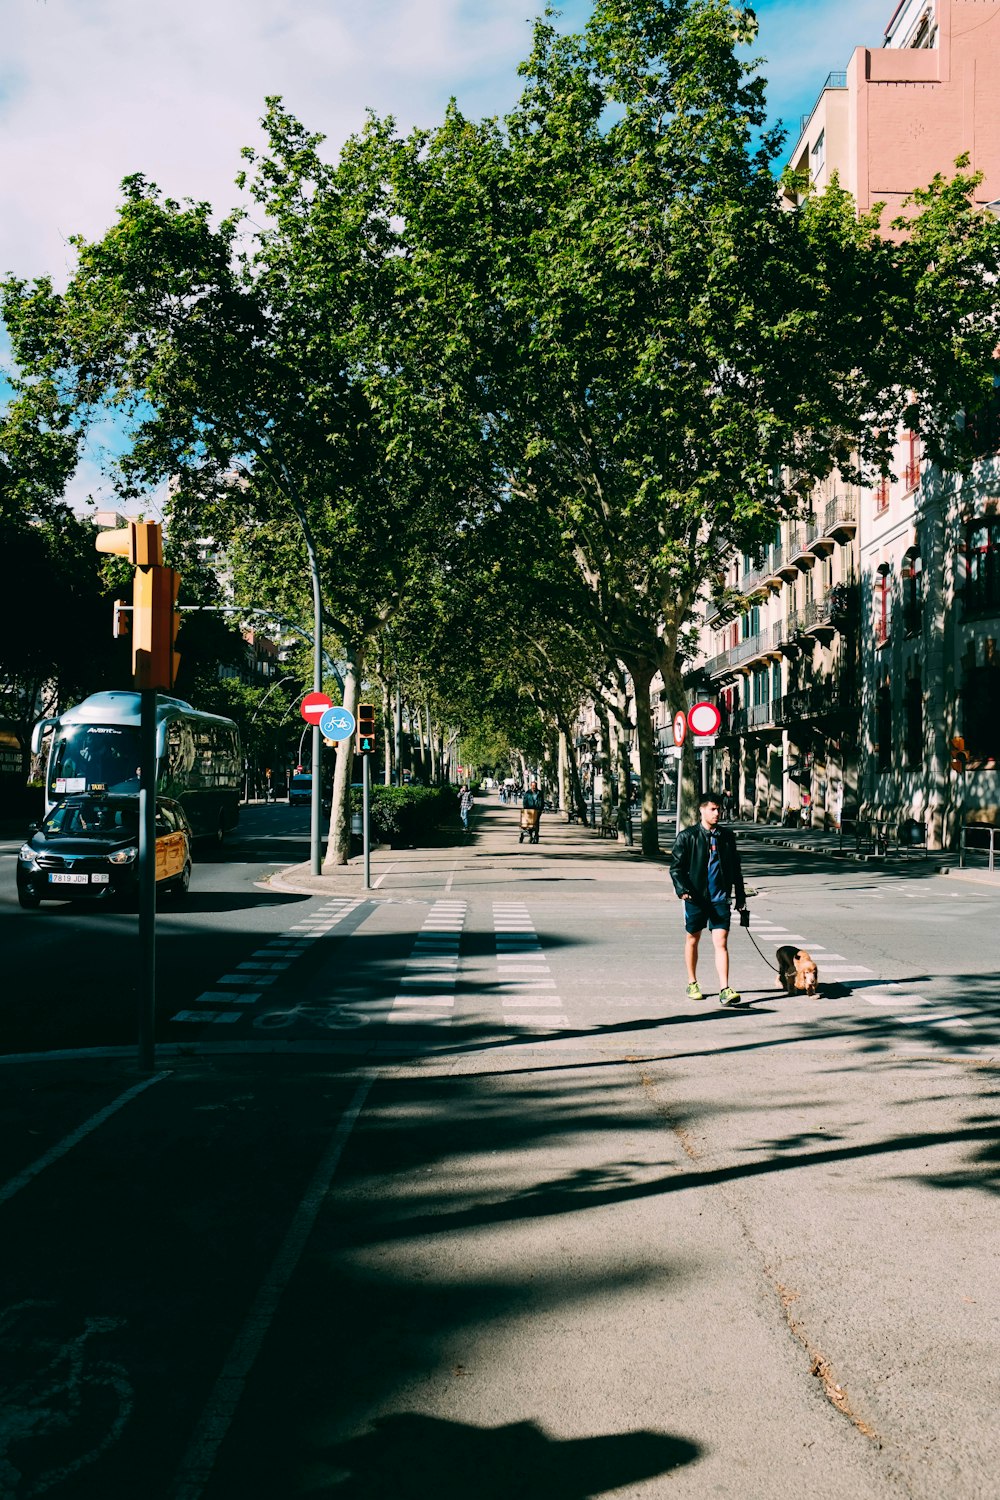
(753, 940)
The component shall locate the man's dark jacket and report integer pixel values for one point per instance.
(689, 863)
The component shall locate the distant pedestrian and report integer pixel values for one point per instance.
(466, 802)
(705, 870)
(534, 800)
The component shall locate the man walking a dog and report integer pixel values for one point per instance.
(705, 870)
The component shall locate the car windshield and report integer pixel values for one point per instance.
(83, 817)
(302, 783)
(94, 758)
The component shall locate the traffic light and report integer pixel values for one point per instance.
(959, 754)
(139, 541)
(154, 596)
(366, 729)
(119, 619)
(154, 628)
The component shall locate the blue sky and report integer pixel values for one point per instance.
(92, 91)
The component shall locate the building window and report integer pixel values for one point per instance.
(818, 155)
(981, 708)
(911, 474)
(881, 496)
(883, 727)
(914, 711)
(881, 586)
(913, 591)
(982, 567)
(983, 425)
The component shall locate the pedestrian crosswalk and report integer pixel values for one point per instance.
(426, 993)
(247, 982)
(911, 1010)
(524, 982)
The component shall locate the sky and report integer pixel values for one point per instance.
(92, 90)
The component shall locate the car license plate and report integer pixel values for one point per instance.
(69, 879)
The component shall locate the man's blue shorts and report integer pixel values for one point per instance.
(698, 917)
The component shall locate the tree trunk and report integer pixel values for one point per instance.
(565, 795)
(386, 733)
(431, 746)
(677, 697)
(624, 763)
(647, 763)
(338, 850)
(606, 762)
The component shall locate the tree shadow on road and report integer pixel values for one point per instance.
(407, 1456)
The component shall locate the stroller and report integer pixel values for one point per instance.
(530, 817)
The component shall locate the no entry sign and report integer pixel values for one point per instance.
(314, 706)
(680, 728)
(704, 718)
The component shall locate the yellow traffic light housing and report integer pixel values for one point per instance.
(365, 742)
(959, 754)
(141, 542)
(154, 628)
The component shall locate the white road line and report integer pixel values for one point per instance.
(55, 1153)
(227, 1393)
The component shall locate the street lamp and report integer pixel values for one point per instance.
(253, 720)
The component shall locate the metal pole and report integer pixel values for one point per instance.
(316, 802)
(704, 770)
(397, 734)
(365, 781)
(147, 879)
(680, 778)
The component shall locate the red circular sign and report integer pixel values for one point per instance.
(704, 718)
(680, 728)
(314, 706)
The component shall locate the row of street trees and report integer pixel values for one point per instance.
(513, 390)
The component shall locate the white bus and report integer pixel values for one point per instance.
(95, 748)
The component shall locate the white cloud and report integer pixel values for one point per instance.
(173, 88)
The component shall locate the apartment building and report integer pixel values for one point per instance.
(872, 636)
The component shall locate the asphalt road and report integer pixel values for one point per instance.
(448, 1191)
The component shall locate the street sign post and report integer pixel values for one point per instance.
(704, 720)
(314, 706)
(337, 724)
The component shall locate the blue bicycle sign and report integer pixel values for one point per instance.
(337, 724)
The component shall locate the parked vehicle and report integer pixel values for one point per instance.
(300, 789)
(87, 849)
(95, 749)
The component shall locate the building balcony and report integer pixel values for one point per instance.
(772, 574)
(817, 701)
(800, 539)
(826, 614)
(838, 524)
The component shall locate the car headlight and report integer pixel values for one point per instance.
(124, 856)
(26, 854)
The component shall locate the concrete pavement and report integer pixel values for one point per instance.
(495, 1211)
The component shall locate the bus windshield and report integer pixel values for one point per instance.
(94, 758)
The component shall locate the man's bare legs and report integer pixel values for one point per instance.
(720, 941)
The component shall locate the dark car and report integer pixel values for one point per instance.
(300, 789)
(87, 849)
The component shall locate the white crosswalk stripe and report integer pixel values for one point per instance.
(522, 981)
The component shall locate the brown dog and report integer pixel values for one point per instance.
(797, 972)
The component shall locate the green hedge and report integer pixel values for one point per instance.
(408, 815)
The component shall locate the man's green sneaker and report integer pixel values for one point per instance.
(694, 991)
(729, 997)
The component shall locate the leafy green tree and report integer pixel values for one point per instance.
(668, 359)
(279, 378)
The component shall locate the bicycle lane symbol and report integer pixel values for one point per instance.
(329, 1017)
(56, 1397)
